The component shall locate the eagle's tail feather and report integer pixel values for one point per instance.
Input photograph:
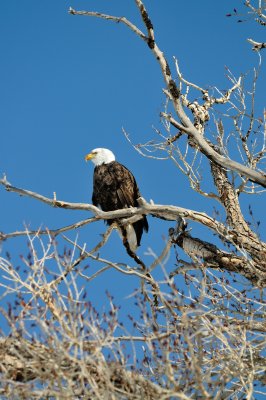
(130, 236)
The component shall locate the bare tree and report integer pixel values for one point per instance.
(205, 340)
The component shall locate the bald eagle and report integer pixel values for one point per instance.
(114, 188)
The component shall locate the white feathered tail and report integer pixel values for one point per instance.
(131, 237)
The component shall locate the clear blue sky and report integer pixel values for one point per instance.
(70, 83)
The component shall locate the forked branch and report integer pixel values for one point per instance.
(185, 125)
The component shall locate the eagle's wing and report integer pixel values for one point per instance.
(102, 185)
(126, 187)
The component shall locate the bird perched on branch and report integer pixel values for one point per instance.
(114, 188)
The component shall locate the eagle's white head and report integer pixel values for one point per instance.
(100, 156)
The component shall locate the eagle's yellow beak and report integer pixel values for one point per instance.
(89, 156)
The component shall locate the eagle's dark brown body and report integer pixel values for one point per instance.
(114, 187)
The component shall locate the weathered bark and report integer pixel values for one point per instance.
(213, 257)
(242, 236)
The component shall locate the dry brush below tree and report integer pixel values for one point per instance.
(205, 337)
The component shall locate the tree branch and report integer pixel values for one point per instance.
(211, 154)
(23, 361)
(257, 46)
(168, 212)
(185, 125)
(51, 232)
(212, 257)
